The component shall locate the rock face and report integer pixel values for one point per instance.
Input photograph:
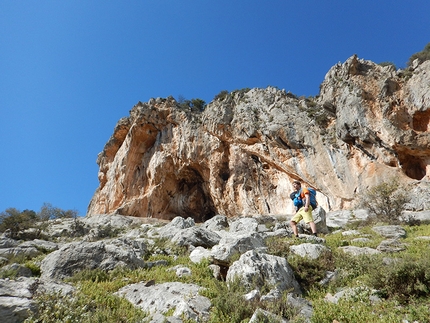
(239, 156)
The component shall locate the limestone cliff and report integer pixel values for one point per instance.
(239, 156)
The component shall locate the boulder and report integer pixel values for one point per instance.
(199, 253)
(234, 245)
(257, 269)
(18, 270)
(184, 299)
(217, 223)
(16, 299)
(246, 224)
(309, 250)
(76, 256)
(261, 315)
(390, 231)
(357, 251)
(196, 237)
(340, 218)
(20, 251)
(17, 296)
(391, 245)
(169, 230)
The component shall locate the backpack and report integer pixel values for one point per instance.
(295, 196)
(298, 202)
(313, 197)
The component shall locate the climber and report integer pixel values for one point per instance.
(304, 212)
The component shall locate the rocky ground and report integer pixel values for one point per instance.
(235, 248)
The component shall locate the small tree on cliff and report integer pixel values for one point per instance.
(385, 201)
(15, 221)
(422, 56)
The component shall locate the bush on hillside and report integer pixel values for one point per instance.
(406, 278)
(388, 64)
(15, 221)
(422, 56)
(386, 201)
(49, 212)
(193, 104)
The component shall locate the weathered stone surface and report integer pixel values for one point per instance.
(391, 245)
(350, 293)
(19, 270)
(217, 223)
(196, 237)
(160, 298)
(17, 296)
(239, 156)
(338, 219)
(8, 242)
(256, 268)
(356, 251)
(48, 246)
(309, 250)
(181, 270)
(303, 306)
(244, 224)
(76, 256)
(172, 228)
(16, 302)
(390, 231)
(234, 245)
(199, 253)
(261, 315)
(24, 251)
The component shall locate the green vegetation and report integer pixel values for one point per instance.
(224, 94)
(387, 287)
(422, 56)
(322, 116)
(221, 95)
(197, 105)
(388, 64)
(386, 201)
(16, 221)
(402, 286)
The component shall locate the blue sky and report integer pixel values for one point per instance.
(69, 70)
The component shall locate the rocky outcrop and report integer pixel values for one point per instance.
(239, 156)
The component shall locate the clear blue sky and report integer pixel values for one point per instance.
(70, 69)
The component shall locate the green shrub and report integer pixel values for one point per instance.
(85, 307)
(221, 95)
(422, 56)
(193, 104)
(78, 228)
(278, 246)
(49, 212)
(355, 268)
(34, 267)
(309, 272)
(16, 221)
(388, 64)
(353, 311)
(386, 201)
(404, 279)
(228, 303)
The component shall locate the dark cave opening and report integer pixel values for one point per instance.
(192, 198)
(421, 121)
(412, 166)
